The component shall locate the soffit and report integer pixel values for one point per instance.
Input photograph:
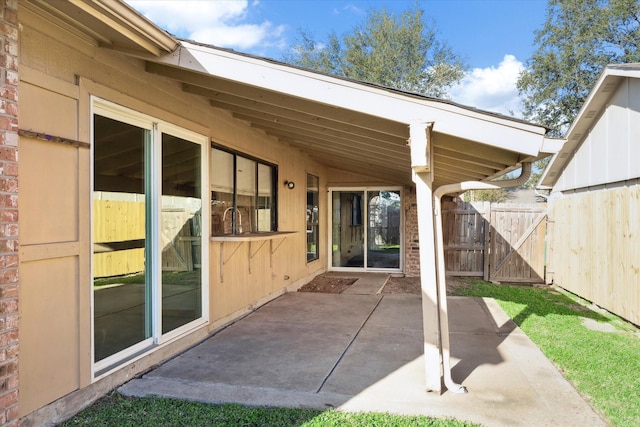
(340, 123)
(107, 23)
(344, 138)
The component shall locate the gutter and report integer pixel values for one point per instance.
(440, 268)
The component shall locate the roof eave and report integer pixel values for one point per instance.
(611, 77)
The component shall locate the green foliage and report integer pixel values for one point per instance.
(603, 366)
(578, 39)
(493, 196)
(117, 410)
(398, 51)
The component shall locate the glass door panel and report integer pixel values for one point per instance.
(121, 290)
(347, 229)
(181, 232)
(383, 229)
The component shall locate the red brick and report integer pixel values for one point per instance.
(12, 78)
(11, 322)
(8, 276)
(8, 291)
(9, 215)
(9, 185)
(5, 339)
(12, 414)
(8, 245)
(11, 16)
(8, 368)
(7, 307)
(9, 139)
(10, 169)
(9, 92)
(9, 201)
(7, 153)
(11, 351)
(10, 261)
(13, 382)
(9, 31)
(9, 399)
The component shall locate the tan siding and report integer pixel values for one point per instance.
(594, 248)
(60, 73)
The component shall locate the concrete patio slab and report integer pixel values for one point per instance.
(364, 353)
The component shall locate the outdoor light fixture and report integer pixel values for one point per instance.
(290, 185)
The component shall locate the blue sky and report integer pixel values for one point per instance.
(495, 37)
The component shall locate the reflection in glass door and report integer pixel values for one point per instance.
(366, 231)
(181, 232)
(147, 233)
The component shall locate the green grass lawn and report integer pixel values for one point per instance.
(603, 366)
(117, 410)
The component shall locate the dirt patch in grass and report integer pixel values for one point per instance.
(328, 284)
(411, 285)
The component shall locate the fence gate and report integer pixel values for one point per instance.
(516, 243)
(498, 241)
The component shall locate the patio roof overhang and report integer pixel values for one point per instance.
(351, 125)
(340, 123)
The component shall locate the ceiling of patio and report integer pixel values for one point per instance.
(340, 138)
(333, 136)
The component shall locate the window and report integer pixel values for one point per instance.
(149, 260)
(312, 217)
(242, 194)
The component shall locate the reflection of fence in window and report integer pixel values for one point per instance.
(384, 222)
(119, 232)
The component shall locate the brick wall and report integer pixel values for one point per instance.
(411, 241)
(9, 213)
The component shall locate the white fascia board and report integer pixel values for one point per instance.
(449, 119)
(552, 145)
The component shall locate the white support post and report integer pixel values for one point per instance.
(423, 179)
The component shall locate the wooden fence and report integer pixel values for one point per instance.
(119, 238)
(498, 241)
(594, 247)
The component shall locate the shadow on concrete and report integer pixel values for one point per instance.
(365, 353)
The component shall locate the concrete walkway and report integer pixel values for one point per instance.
(363, 352)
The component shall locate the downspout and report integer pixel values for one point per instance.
(440, 269)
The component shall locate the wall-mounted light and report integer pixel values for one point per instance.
(290, 185)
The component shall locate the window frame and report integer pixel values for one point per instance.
(313, 219)
(235, 230)
(156, 128)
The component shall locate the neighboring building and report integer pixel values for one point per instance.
(167, 188)
(594, 206)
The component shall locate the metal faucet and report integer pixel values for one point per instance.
(238, 223)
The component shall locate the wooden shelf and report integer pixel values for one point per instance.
(249, 237)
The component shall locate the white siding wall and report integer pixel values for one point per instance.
(610, 151)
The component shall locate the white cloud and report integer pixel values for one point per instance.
(492, 89)
(220, 23)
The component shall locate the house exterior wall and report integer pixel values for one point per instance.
(610, 150)
(594, 211)
(61, 72)
(9, 236)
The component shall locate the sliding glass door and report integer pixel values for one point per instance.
(148, 261)
(366, 229)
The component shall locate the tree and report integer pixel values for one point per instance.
(397, 51)
(579, 38)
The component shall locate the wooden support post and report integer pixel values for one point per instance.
(423, 179)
